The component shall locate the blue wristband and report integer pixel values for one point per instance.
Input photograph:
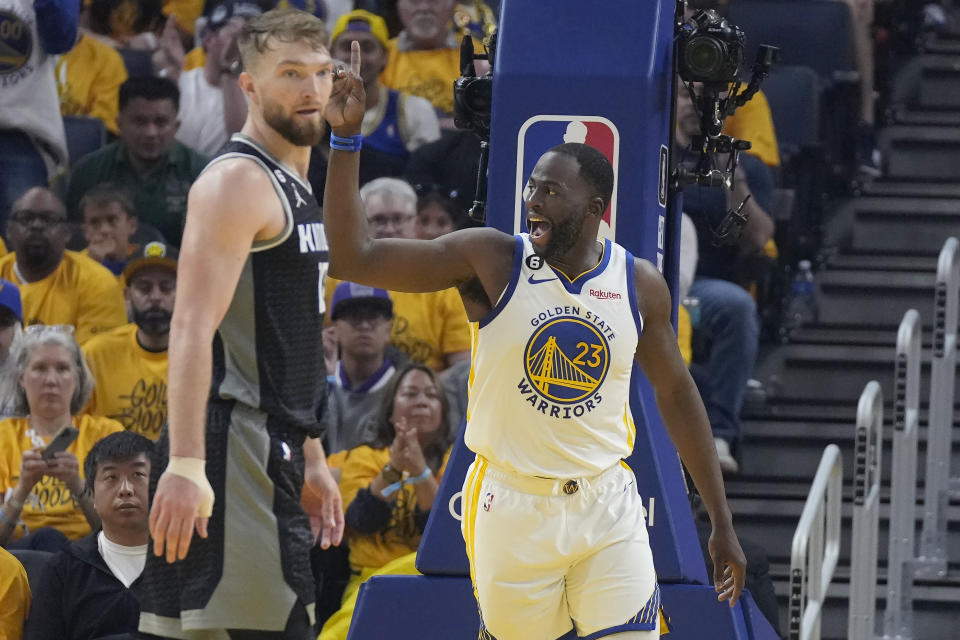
(351, 143)
(390, 489)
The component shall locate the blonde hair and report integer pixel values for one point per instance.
(281, 25)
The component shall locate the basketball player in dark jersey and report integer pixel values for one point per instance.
(246, 376)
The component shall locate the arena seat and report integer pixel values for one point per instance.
(794, 96)
(137, 62)
(84, 135)
(813, 33)
(33, 562)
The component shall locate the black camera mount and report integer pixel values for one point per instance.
(472, 101)
(709, 52)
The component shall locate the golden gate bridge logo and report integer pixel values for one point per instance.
(567, 359)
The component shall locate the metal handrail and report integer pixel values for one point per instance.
(898, 616)
(932, 560)
(816, 547)
(866, 513)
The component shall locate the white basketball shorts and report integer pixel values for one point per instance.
(547, 555)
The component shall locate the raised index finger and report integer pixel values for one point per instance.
(355, 58)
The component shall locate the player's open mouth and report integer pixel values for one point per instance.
(538, 227)
(307, 112)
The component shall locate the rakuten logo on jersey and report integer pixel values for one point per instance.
(605, 295)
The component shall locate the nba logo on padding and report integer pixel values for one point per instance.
(540, 133)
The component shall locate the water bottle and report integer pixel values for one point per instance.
(803, 307)
(692, 306)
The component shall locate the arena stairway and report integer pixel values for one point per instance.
(879, 259)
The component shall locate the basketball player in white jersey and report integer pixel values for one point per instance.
(552, 520)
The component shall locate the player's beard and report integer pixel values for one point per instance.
(307, 134)
(153, 321)
(563, 236)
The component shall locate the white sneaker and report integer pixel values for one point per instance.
(728, 464)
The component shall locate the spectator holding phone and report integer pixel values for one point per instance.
(41, 483)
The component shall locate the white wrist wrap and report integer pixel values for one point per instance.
(194, 470)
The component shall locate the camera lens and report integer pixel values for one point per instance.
(479, 95)
(704, 57)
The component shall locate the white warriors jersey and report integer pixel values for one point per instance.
(550, 383)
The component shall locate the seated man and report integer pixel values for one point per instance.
(85, 591)
(14, 596)
(109, 222)
(362, 317)
(424, 59)
(395, 123)
(727, 311)
(57, 286)
(212, 106)
(146, 160)
(130, 362)
(431, 327)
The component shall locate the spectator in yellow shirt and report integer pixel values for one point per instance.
(389, 485)
(42, 494)
(109, 222)
(14, 596)
(57, 286)
(429, 327)
(130, 362)
(424, 59)
(88, 80)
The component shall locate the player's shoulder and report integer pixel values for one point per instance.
(234, 184)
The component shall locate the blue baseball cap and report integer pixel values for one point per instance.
(348, 293)
(10, 298)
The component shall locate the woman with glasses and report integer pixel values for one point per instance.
(42, 499)
(389, 485)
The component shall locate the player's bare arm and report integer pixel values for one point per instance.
(686, 422)
(399, 265)
(229, 207)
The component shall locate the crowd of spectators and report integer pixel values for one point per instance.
(89, 267)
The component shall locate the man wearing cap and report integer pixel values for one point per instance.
(395, 123)
(57, 286)
(212, 106)
(129, 363)
(362, 317)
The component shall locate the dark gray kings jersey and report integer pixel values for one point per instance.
(268, 351)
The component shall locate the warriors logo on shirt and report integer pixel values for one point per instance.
(16, 42)
(566, 360)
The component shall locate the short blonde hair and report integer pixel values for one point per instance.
(282, 25)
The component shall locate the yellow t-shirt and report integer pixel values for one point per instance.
(428, 74)
(401, 537)
(426, 326)
(754, 122)
(80, 292)
(14, 597)
(88, 81)
(186, 13)
(194, 59)
(131, 381)
(3, 248)
(50, 503)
